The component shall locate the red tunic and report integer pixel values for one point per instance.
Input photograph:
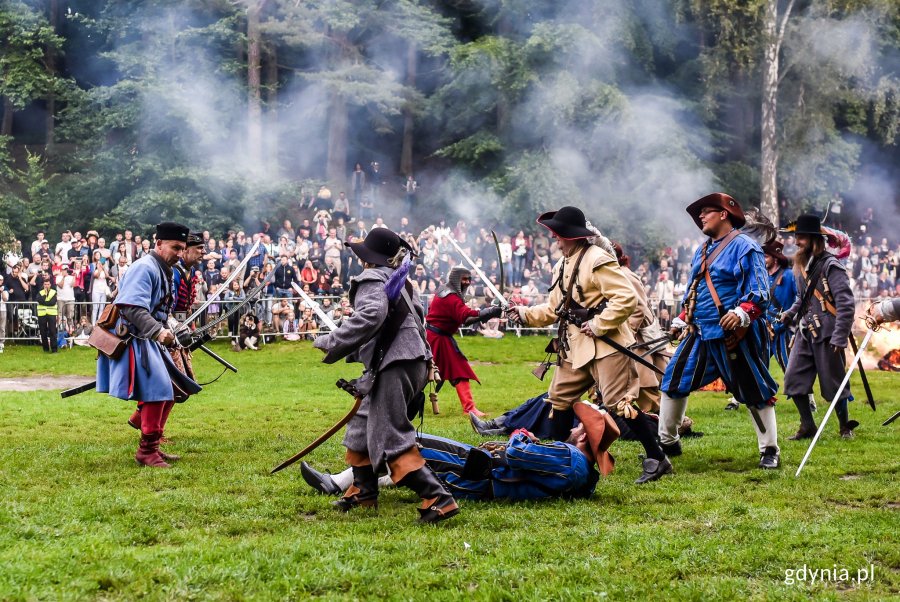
(447, 314)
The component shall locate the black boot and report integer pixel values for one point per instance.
(321, 482)
(437, 503)
(846, 425)
(807, 422)
(657, 464)
(363, 492)
(672, 449)
(561, 424)
(488, 428)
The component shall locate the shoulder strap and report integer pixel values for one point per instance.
(826, 303)
(708, 261)
(811, 286)
(573, 277)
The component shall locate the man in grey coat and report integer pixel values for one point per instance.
(386, 336)
(825, 306)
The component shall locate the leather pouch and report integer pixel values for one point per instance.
(107, 343)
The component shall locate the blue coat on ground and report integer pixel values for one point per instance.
(529, 471)
(140, 374)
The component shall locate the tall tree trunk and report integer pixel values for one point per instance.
(338, 118)
(773, 32)
(7, 122)
(254, 87)
(406, 152)
(272, 108)
(50, 58)
(768, 194)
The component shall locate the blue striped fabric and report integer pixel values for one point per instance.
(697, 362)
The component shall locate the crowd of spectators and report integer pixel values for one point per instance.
(85, 269)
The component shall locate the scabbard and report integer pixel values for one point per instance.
(323, 437)
(216, 357)
(78, 389)
(891, 419)
(862, 373)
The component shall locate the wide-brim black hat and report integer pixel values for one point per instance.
(805, 224)
(379, 246)
(172, 231)
(718, 200)
(568, 223)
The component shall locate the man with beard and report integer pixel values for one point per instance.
(825, 305)
(145, 371)
(447, 312)
(725, 337)
(183, 281)
(591, 298)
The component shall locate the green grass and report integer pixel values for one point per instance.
(80, 520)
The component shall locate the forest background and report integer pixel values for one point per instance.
(223, 113)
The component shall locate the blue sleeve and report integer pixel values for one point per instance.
(752, 277)
(555, 459)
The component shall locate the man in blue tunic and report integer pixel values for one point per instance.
(144, 372)
(521, 468)
(782, 290)
(725, 338)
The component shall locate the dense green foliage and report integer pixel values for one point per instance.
(218, 112)
(79, 520)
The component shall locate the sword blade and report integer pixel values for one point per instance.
(629, 353)
(315, 307)
(834, 401)
(78, 389)
(484, 279)
(251, 295)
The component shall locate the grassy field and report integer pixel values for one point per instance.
(80, 520)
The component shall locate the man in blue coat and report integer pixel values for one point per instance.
(725, 336)
(144, 372)
(522, 468)
(782, 290)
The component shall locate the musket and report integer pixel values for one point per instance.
(834, 401)
(222, 288)
(315, 307)
(357, 400)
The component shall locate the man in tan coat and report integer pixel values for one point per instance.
(592, 300)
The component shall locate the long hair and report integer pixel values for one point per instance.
(801, 258)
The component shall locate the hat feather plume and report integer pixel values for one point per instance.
(759, 227)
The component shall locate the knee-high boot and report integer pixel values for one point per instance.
(807, 422)
(656, 465)
(167, 409)
(464, 391)
(561, 423)
(362, 493)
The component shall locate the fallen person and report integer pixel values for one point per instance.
(522, 468)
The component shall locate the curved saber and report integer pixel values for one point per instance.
(315, 307)
(840, 390)
(323, 437)
(222, 288)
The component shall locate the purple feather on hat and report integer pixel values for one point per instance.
(397, 280)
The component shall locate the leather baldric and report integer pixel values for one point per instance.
(567, 302)
(707, 263)
(826, 303)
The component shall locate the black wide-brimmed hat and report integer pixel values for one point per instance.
(568, 223)
(172, 231)
(805, 224)
(718, 200)
(775, 248)
(379, 246)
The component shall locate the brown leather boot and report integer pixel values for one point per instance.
(806, 431)
(168, 457)
(148, 451)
